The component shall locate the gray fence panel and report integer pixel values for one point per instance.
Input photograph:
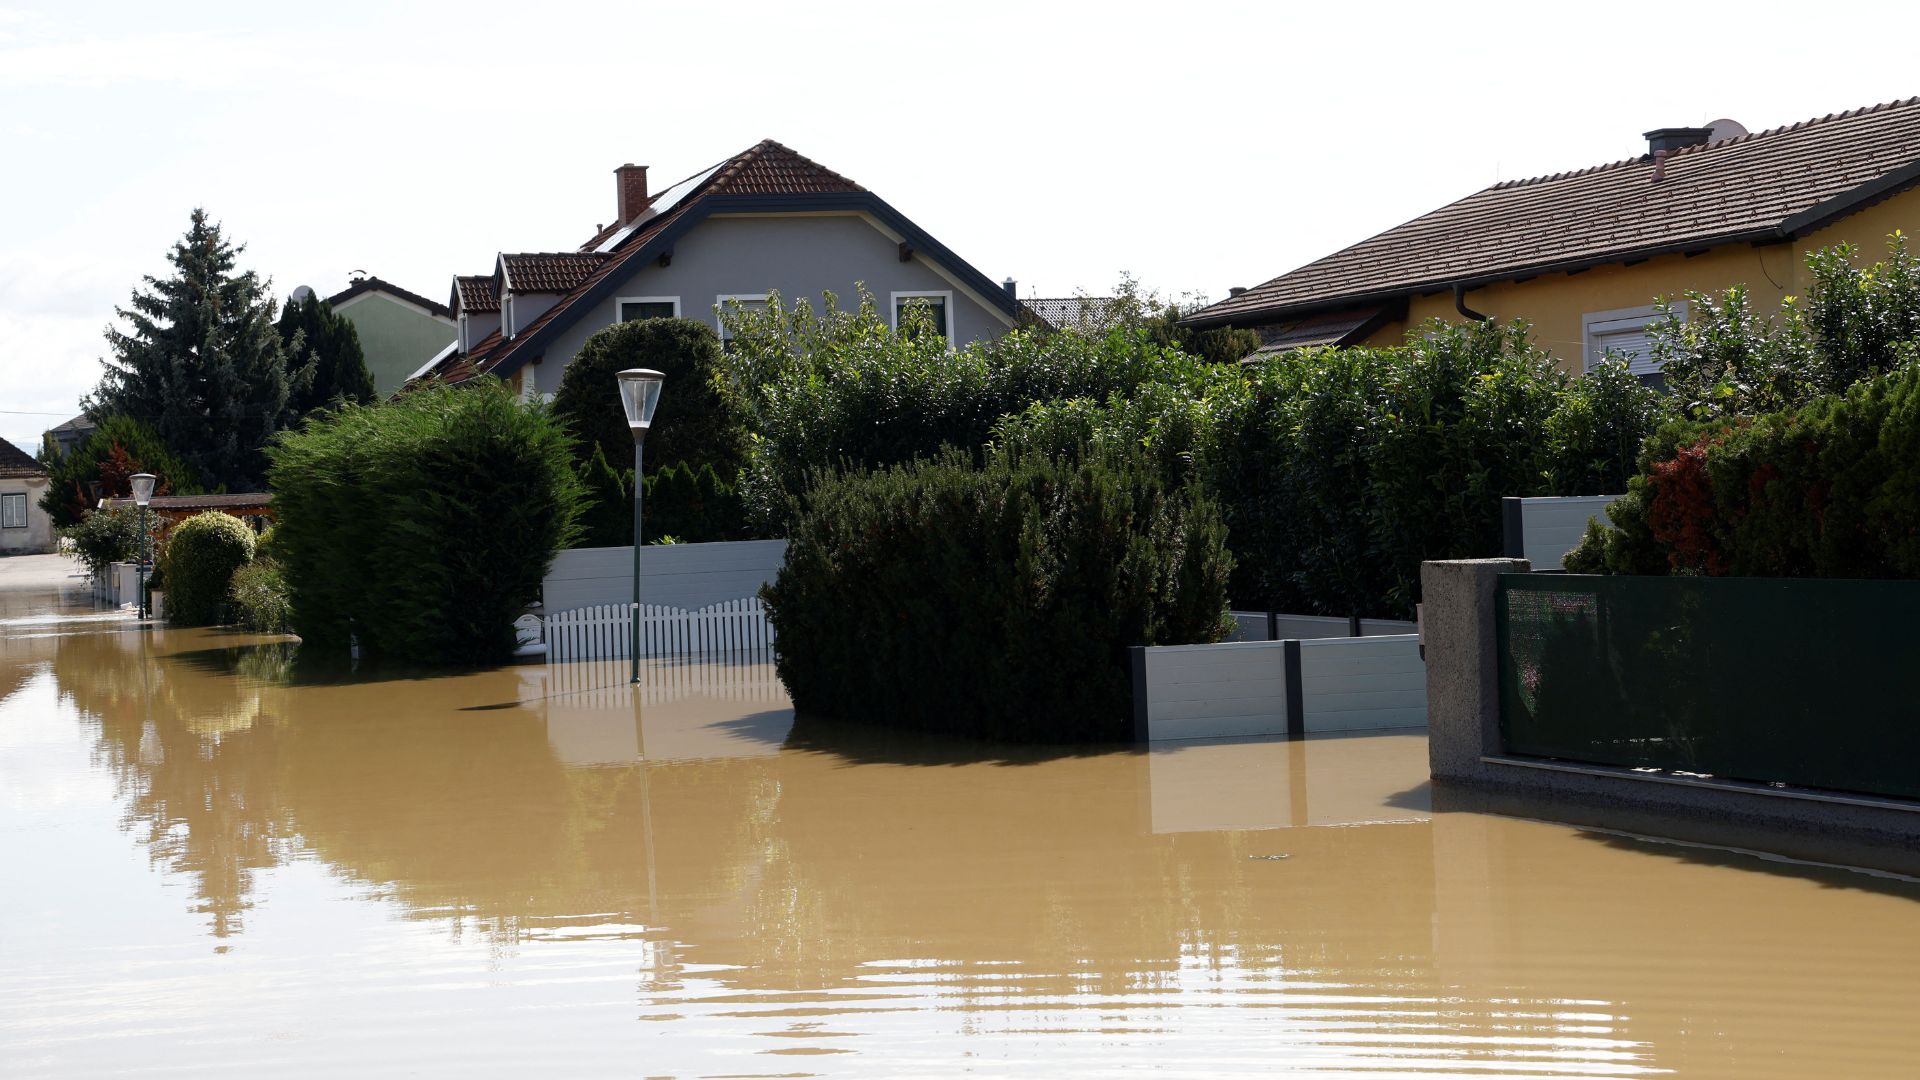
(688, 576)
(1542, 531)
(1358, 684)
(1208, 691)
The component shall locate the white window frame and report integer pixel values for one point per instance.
(893, 307)
(620, 302)
(506, 316)
(1597, 324)
(466, 333)
(720, 304)
(7, 501)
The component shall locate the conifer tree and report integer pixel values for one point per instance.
(324, 359)
(203, 364)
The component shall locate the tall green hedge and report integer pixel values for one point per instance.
(201, 556)
(995, 601)
(423, 526)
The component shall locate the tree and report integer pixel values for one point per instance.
(695, 423)
(203, 364)
(325, 364)
(119, 447)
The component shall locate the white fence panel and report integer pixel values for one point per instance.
(1542, 531)
(603, 631)
(1205, 691)
(1354, 684)
(689, 576)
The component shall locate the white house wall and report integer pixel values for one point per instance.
(795, 255)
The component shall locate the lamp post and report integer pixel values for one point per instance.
(142, 484)
(639, 396)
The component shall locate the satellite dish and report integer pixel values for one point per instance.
(1725, 129)
(300, 294)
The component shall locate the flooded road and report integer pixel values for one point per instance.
(217, 864)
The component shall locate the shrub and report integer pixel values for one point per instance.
(844, 389)
(258, 598)
(693, 505)
(105, 536)
(1824, 490)
(423, 525)
(995, 601)
(200, 558)
(695, 422)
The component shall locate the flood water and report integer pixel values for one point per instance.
(216, 864)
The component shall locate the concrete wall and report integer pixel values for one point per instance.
(1466, 751)
(397, 337)
(687, 576)
(798, 256)
(1542, 531)
(1278, 687)
(1556, 303)
(37, 537)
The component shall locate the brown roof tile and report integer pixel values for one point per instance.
(1728, 190)
(15, 462)
(549, 271)
(474, 292)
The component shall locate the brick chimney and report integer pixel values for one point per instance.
(631, 181)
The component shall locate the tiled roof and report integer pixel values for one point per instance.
(1767, 184)
(1087, 314)
(1345, 327)
(246, 500)
(474, 292)
(374, 284)
(767, 168)
(15, 462)
(549, 271)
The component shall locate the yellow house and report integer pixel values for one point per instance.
(1583, 255)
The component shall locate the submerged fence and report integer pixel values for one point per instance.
(1812, 683)
(1289, 687)
(604, 631)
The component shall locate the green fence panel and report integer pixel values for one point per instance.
(1811, 683)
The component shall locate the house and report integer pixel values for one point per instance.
(763, 221)
(398, 329)
(1091, 315)
(253, 507)
(67, 436)
(1582, 255)
(25, 528)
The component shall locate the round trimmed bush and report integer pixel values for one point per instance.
(201, 556)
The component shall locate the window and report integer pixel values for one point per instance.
(506, 316)
(647, 307)
(745, 301)
(939, 308)
(13, 511)
(1624, 333)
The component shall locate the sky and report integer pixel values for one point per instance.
(1193, 145)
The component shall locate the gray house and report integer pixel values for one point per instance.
(763, 221)
(25, 529)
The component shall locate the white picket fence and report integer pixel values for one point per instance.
(604, 631)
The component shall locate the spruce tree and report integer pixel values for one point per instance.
(203, 364)
(324, 359)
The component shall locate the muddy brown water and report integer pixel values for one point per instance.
(218, 864)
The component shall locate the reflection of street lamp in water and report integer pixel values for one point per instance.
(639, 396)
(142, 484)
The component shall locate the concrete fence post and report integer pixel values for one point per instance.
(1463, 672)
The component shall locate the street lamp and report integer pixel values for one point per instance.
(142, 484)
(639, 396)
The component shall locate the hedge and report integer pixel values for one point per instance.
(423, 526)
(199, 560)
(995, 601)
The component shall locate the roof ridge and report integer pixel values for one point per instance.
(1701, 147)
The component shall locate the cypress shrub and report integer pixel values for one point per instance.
(692, 505)
(201, 555)
(995, 601)
(423, 526)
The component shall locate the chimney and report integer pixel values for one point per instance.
(1009, 286)
(1235, 291)
(1675, 138)
(631, 181)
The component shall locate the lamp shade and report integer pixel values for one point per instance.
(639, 396)
(142, 484)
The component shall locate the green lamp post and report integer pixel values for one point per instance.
(639, 397)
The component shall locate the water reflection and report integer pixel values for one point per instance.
(756, 887)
